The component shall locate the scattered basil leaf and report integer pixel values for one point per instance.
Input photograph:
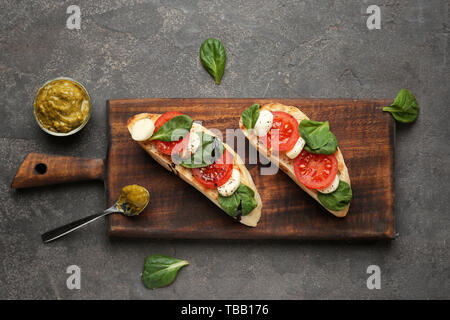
(405, 108)
(207, 153)
(213, 57)
(338, 199)
(241, 202)
(250, 116)
(174, 129)
(318, 137)
(160, 271)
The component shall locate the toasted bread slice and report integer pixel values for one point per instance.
(250, 219)
(286, 164)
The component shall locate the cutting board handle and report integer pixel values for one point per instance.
(44, 169)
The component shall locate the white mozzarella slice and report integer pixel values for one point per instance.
(194, 142)
(264, 123)
(332, 187)
(229, 187)
(192, 145)
(142, 129)
(296, 149)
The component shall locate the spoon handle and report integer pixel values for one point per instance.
(63, 230)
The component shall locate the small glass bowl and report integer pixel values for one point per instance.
(63, 134)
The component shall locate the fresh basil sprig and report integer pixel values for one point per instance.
(213, 57)
(338, 199)
(174, 129)
(405, 108)
(318, 137)
(207, 153)
(160, 271)
(241, 202)
(250, 116)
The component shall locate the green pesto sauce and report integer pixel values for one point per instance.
(133, 197)
(62, 106)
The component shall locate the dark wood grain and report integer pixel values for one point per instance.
(44, 169)
(177, 210)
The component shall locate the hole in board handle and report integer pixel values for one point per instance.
(40, 168)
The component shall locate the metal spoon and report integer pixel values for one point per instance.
(116, 208)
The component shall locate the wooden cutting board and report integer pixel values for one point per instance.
(366, 137)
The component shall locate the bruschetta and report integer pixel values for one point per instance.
(198, 157)
(305, 150)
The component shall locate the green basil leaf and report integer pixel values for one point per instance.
(250, 116)
(207, 153)
(315, 133)
(318, 137)
(230, 204)
(174, 129)
(405, 108)
(160, 271)
(329, 148)
(213, 57)
(338, 199)
(241, 202)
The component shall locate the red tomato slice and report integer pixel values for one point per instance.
(315, 171)
(166, 117)
(166, 147)
(215, 174)
(288, 133)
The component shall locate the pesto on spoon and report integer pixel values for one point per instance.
(132, 201)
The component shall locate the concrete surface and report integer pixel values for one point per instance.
(129, 49)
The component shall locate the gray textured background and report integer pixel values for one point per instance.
(130, 49)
